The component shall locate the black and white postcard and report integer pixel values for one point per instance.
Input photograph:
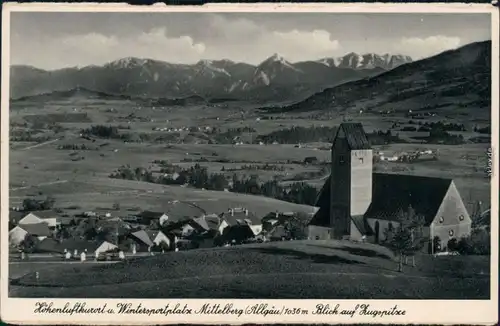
(321, 163)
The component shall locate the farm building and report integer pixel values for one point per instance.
(49, 217)
(19, 233)
(358, 204)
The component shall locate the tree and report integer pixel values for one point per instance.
(48, 203)
(29, 243)
(406, 238)
(477, 243)
(296, 226)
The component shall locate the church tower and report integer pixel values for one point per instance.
(351, 177)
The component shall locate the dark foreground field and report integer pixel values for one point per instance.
(308, 269)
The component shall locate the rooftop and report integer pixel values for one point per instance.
(355, 135)
(392, 193)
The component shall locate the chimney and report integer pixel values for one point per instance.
(232, 212)
(246, 212)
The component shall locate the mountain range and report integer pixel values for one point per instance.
(455, 82)
(274, 79)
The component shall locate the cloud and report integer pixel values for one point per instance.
(96, 48)
(245, 40)
(91, 40)
(425, 47)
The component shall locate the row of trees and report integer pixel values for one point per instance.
(31, 204)
(444, 126)
(101, 131)
(198, 177)
(296, 135)
(380, 137)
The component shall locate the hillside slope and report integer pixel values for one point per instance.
(453, 82)
(291, 269)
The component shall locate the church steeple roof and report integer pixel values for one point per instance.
(355, 135)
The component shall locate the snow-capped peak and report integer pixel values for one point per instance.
(276, 61)
(128, 62)
(330, 62)
(354, 60)
(277, 57)
(208, 67)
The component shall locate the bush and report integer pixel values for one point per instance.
(453, 245)
(478, 243)
(30, 204)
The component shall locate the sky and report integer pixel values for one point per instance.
(56, 40)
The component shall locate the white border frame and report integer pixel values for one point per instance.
(16, 310)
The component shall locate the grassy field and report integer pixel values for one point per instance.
(301, 269)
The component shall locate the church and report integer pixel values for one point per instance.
(355, 203)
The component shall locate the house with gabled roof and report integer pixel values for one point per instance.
(142, 239)
(19, 233)
(16, 236)
(239, 224)
(357, 204)
(50, 217)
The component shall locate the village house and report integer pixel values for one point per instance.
(160, 238)
(357, 204)
(141, 241)
(21, 231)
(49, 217)
(238, 225)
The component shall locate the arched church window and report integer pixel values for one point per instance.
(341, 159)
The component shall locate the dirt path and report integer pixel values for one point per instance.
(38, 185)
(38, 145)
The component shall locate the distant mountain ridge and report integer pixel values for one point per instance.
(367, 61)
(456, 81)
(87, 94)
(273, 79)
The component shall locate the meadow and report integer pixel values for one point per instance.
(291, 270)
